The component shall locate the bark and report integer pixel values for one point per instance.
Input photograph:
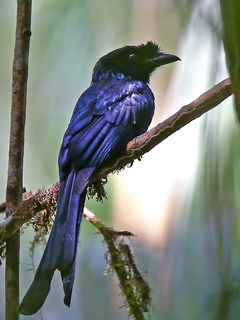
(16, 149)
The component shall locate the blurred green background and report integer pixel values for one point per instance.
(185, 210)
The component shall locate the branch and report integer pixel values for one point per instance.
(135, 148)
(16, 149)
(147, 141)
(27, 209)
(135, 289)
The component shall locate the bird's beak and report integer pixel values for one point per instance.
(163, 58)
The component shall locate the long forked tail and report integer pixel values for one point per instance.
(60, 252)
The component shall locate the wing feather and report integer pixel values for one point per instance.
(103, 125)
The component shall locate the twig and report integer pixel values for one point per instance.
(16, 147)
(135, 289)
(136, 148)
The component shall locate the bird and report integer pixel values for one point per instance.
(117, 107)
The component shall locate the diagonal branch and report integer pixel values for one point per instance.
(147, 141)
(135, 148)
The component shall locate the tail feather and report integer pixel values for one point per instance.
(60, 252)
(68, 281)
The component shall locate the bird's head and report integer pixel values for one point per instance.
(132, 62)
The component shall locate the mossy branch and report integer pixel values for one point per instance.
(135, 289)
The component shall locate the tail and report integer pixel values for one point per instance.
(60, 252)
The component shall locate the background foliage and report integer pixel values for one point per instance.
(193, 263)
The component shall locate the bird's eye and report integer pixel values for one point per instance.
(132, 56)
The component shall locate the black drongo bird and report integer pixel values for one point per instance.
(117, 107)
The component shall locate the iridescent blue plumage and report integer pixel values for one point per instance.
(117, 107)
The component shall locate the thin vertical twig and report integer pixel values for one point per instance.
(16, 149)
